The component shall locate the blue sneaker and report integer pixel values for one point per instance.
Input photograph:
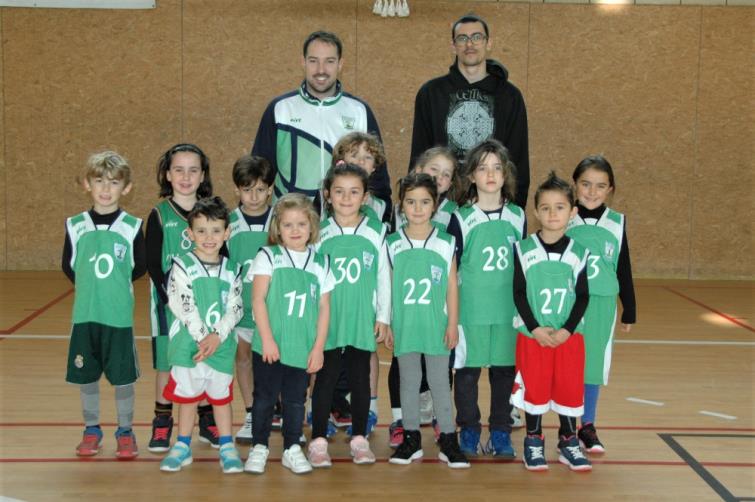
(230, 460)
(572, 455)
(534, 453)
(470, 442)
(499, 445)
(372, 420)
(330, 432)
(178, 456)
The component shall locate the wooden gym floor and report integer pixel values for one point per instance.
(676, 419)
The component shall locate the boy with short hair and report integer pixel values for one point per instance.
(103, 253)
(204, 294)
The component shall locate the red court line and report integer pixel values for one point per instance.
(34, 314)
(711, 309)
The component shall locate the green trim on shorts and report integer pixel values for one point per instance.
(95, 349)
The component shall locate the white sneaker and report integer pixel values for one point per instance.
(257, 459)
(294, 459)
(360, 451)
(244, 435)
(425, 408)
(318, 453)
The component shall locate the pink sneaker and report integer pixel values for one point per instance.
(360, 451)
(318, 453)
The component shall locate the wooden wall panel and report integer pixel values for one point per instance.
(3, 168)
(722, 195)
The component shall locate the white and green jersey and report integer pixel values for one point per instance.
(103, 260)
(418, 291)
(603, 237)
(440, 219)
(204, 298)
(362, 282)
(374, 207)
(297, 280)
(486, 269)
(551, 281)
(243, 244)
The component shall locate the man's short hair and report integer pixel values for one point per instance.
(469, 18)
(328, 38)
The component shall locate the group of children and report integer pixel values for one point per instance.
(295, 295)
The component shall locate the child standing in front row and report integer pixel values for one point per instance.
(424, 298)
(360, 308)
(551, 295)
(291, 304)
(183, 174)
(485, 227)
(103, 254)
(602, 230)
(253, 177)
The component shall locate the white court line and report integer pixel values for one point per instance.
(644, 401)
(717, 415)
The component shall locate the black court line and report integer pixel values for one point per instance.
(701, 471)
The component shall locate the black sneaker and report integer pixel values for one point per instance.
(589, 437)
(450, 453)
(208, 431)
(409, 449)
(162, 427)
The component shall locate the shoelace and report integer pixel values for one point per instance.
(213, 430)
(160, 433)
(576, 452)
(536, 452)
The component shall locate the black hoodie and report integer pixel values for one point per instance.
(452, 112)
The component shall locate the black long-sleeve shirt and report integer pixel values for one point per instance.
(140, 264)
(520, 290)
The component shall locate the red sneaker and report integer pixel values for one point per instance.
(126, 449)
(90, 445)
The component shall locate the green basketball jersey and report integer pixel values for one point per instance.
(243, 245)
(354, 260)
(603, 238)
(293, 303)
(551, 281)
(210, 295)
(440, 220)
(103, 260)
(418, 291)
(374, 208)
(486, 270)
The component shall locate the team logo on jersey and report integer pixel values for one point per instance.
(436, 273)
(79, 361)
(609, 249)
(348, 122)
(367, 259)
(170, 224)
(313, 291)
(119, 251)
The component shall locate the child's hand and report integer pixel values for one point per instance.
(452, 336)
(207, 347)
(381, 332)
(560, 336)
(543, 336)
(388, 342)
(626, 328)
(270, 352)
(314, 361)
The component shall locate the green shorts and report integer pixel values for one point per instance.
(485, 345)
(599, 324)
(96, 348)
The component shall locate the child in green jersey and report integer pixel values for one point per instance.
(253, 177)
(291, 305)
(485, 226)
(360, 309)
(603, 231)
(424, 303)
(204, 294)
(183, 174)
(102, 255)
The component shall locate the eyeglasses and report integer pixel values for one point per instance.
(476, 38)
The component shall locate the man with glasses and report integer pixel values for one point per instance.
(473, 102)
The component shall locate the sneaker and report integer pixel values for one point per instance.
(341, 418)
(318, 453)
(331, 430)
(178, 457)
(470, 441)
(244, 435)
(499, 445)
(534, 453)
(208, 431)
(395, 434)
(230, 460)
(589, 438)
(257, 459)
(516, 418)
(436, 430)
(425, 408)
(90, 443)
(162, 427)
(294, 459)
(360, 450)
(572, 455)
(450, 453)
(277, 416)
(126, 441)
(372, 420)
(409, 449)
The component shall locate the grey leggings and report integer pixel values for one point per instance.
(410, 370)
